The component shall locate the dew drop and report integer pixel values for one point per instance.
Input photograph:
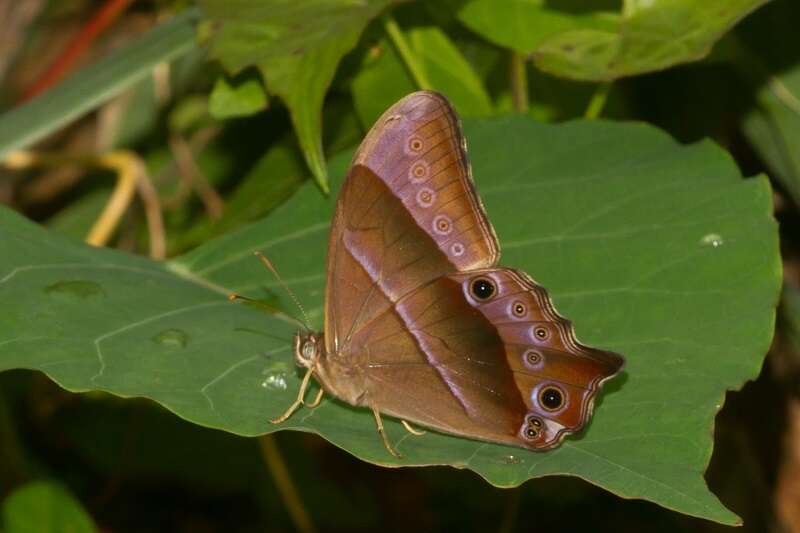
(75, 289)
(275, 382)
(712, 239)
(275, 376)
(172, 337)
(511, 459)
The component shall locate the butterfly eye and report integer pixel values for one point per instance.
(518, 309)
(541, 333)
(309, 349)
(483, 288)
(551, 398)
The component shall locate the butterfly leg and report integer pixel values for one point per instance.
(317, 400)
(410, 429)
(298, 402)
(382, 431)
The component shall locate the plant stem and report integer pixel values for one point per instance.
(410, 60)
(283, 481)
(77, 47)
(598, 101)
(519, 82)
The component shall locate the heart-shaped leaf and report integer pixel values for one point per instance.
(659, 251)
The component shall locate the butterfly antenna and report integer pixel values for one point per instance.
(265, 307)
(268, 264)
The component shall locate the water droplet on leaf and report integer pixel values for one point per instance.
(172, 337)
(275, 376)
(77, 288)
(712, 239)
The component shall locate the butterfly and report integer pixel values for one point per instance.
(420, 322)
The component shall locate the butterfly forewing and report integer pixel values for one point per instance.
(418, 150)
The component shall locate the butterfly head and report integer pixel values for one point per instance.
(307, 348)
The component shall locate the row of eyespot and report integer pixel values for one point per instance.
(483, 289)
(426, 197)
(550, 398)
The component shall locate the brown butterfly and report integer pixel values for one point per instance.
(420, 322)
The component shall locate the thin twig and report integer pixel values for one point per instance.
(131, 176)
(118, 203)
(510, 517)
(152, 212)
(78, 46)
(283, 481)
(598, 101)
(190, 172)
(197, 143)
(783, 94)
(518, 74)
(411, 61)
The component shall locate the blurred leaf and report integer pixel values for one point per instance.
(136, 116)
(77, 218)
(44, 507)
(790, 317)
(297, 46)
(649, 35)
(96, 83)
(449, 71)
(188, 114)
(236, 100)
(524, 25)
(384, 79)
(381, 81)
(773, 127)
(656, 250)
(271, 180)
(766, 52)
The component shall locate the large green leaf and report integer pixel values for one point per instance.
(96, 83)
(524, 25)
(659, 251)
(297, 46)
(594, 45)
(44, 507)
